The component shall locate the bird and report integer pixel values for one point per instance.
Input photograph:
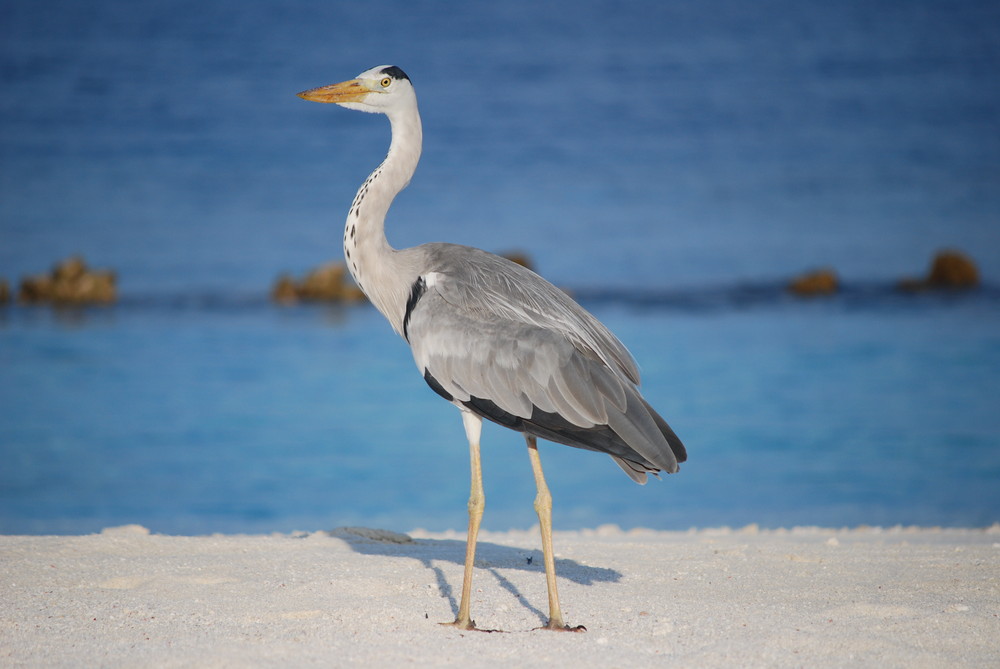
(493, 337)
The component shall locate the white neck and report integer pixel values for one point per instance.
(374, 264)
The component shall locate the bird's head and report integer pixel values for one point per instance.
(381, 89)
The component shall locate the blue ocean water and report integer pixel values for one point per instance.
(670, 163)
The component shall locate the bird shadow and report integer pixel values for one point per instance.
(490, 557)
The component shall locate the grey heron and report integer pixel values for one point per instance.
(492, 337)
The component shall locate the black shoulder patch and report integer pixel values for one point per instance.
(437, 387)
(417, 291)
(395, 72)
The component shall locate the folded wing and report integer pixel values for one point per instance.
(507, 345)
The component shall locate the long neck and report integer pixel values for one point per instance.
(376, 266)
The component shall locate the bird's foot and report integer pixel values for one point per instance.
(467, 625)
(560, 627)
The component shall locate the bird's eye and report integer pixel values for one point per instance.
(386, 81)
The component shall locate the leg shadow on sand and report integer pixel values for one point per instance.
(492, 558)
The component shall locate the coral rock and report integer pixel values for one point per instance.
(950, 269)
(70, 282)
(953, 269)
(329, 283)
(819, 282)
(520, 257)
(284, 290)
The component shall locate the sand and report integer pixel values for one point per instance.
(806, 597)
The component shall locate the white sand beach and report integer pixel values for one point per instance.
(901, 597)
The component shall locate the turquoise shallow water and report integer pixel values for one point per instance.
(670, 163)
(254, 418)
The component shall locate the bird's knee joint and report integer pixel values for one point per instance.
(543, 503)
(476, 504)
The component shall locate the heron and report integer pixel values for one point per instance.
(492, 337)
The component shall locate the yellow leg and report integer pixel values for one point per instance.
(543, 507)
(477, 502)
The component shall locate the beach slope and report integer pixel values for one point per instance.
(901, 597)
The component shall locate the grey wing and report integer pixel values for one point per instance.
(477, 282)
(499, 358)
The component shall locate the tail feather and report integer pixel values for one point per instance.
(635, 471)
(680, 453)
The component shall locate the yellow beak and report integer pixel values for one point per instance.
(346, 91)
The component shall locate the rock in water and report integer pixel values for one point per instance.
(818, 282)
(950, 269)
(953, 269)
(328, 283)
(70, 282)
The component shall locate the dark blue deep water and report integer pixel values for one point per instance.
(671, 163)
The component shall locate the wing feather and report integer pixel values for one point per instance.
(499, 340)
(486, 284)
